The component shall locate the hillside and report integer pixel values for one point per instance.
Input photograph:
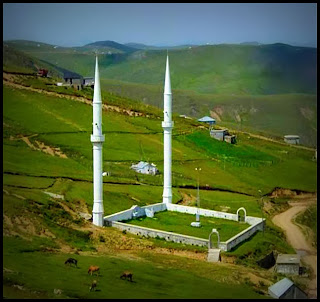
(18, 61)
(212, 69)
(111, 45)
(47, 148)
(267, 89)
(225, 69)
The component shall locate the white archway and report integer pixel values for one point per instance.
(212, 232)
(245, 213)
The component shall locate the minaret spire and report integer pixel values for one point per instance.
(167, 125)
(97, 139)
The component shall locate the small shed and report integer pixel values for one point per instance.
(145, 168)
(231, 139)
(292, 139)
(88, 81)
(207, 120)
(286, 289)
(219, 134)
(288, 264)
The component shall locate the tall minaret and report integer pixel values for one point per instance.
(167, 126)
(97, 139)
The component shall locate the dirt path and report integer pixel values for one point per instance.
(8, 81)
(297, 239)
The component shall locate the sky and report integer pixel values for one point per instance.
(161, 24)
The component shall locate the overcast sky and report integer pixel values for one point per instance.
(76, 24)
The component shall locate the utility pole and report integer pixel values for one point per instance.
(261, 207)
(198, 195)
(197, 223)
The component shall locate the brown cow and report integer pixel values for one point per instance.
(126, 274)
(93, 268)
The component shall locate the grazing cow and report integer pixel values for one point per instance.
(93, 268)
(126, 274)
(71, 261)
(93, 285)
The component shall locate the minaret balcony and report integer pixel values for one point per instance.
(167, 124)
(97, 138)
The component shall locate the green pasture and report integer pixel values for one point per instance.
(153, 277)
(246, 167)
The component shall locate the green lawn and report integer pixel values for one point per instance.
(180, 223)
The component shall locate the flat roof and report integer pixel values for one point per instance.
(292, 136)
(288, 259)
(218, 130)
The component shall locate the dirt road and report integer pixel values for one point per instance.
(297, 239)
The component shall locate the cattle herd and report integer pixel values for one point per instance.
(126, 275)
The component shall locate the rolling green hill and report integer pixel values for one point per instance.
(269, 89)
(218, 69)
(47, 148)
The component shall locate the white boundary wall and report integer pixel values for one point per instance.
(127, 214)
(169, 236)
(113, 220)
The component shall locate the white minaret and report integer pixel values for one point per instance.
(167, 126)
(97, 139)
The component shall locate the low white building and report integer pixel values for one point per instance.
(145, 168)
(288, 264)
(292, 139)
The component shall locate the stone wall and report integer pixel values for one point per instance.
(169, 236)
(288, 268)
(203, 212)
(245, 234)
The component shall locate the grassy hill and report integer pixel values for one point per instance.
(219, 69)
(47, 148)
(225, 69)
(269, 89)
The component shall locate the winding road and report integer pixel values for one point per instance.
(297, 240)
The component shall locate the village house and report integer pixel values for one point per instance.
(145, 168)
(223, 135)
(292, 139)
(207, 120)
(88, 81)
(73, 79)
(288, 264)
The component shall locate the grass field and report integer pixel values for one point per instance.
(180, 223)
(40, 232)
(153, 277)
(245, 167)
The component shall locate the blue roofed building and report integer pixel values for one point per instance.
(208, 120)
(286, 289)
